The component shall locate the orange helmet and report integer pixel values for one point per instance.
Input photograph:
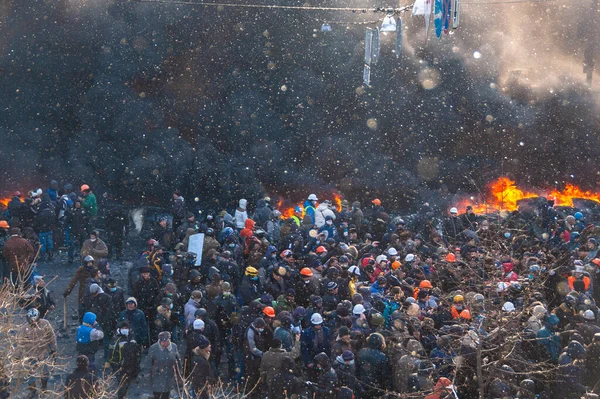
(4, 224)
(306, 272)
(321, 249)
(425, 284)
(396, 265)
(596, 261)
(376, 202)
(269, 311)
(85, 187)
(451, 258)
(465, 314)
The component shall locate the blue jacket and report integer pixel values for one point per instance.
(309, 210)
(308, 349)
(138, 323)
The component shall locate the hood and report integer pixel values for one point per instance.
(249, 224)
(270, 250)
(508, 267)
(356, 205)
(243, 203)
(89, 318)
(322, 207)
(261, 203)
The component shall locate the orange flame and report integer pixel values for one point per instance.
(4, 202)
(288, 211)
(565, 198)
(337, 199)
(505, 195)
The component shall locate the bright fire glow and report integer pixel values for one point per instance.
(504, 195)
(4, 202)
(287, 211)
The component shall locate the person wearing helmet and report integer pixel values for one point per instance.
(36, 340)
(94, 247)
(310, 207)
(579, 274)
(250, 288)
(453, 226)
(458, 306)
(89, 204)
(548, 340)
(306, 285)
(315, 339)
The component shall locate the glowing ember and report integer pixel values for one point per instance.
(505, 195)
(4, 202)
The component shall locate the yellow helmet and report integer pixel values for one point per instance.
(252, 272)
(459, 298)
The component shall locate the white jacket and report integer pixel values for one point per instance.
(321, 212)
(240, 218)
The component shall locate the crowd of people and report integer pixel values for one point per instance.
(331, 302)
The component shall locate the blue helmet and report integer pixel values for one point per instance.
(578, 215)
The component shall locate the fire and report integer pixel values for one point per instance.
(565, 198)
(505, 195)
(4, 202)
(287, 211)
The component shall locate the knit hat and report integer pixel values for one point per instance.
(132, 300)
(203, 342)
(348, 355)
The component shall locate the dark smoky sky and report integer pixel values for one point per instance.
(137, 99)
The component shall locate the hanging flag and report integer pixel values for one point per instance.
(456, 14)
(428, 7)
(418, 8)
(376, 46)
(368, 45)
(446, 15)
(437, 17)
(399, 39)
(367, 76)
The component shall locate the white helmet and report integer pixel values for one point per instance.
(316, 319)
(312, 197)
(392, 251)
(380, 258)
(589, 315)
(502, 286)
(354, 270)
(453, 210)
(358, 309)
(508, 307)
(33, 314)
(409, 258)
(539, 311)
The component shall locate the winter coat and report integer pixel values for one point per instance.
(327, 384)
(285, 384)
(271, 362)
(357, 215)
(286, 337)
(249, 290)
(36, 341)
(101, 306)
(88, 336)
(372, 367)
(123, 355)
(138, 324)
(453, 227)
(262, 213)
(309, 214)
(178, 208)
(240, 218)
(79, 384)
(81, 276)
(311, 347)
(321, 213)
(46, 217)
(145, 291)
(202, 376)
(90, 205)
(163, 366)
(97, 249)
(18, 252)
(189, 311)
(42, 300)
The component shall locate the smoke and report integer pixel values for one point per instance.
(138, 99)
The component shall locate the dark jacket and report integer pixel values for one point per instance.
(123, 355)
(138, 324)
(202, 376)
(372, 367)
(79, 383)
(311, 346)
(145, 291)
(81, 276)
(285, 384)
(249, 290)
(327, 384)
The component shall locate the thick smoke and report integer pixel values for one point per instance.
(137, 99)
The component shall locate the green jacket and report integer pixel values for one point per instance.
(89, 205)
